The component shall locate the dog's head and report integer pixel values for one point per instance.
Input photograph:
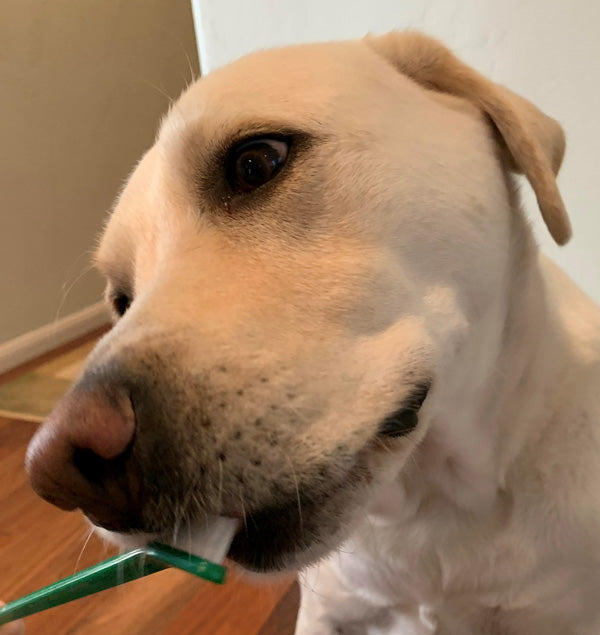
(293, 267)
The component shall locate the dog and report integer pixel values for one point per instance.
(333, 324)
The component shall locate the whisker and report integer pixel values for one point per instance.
(192, 74)
(85, 544)
(220, 497)
(189, 531)
(300, 520)
(67, 288)
(243, 509)
(158, 89)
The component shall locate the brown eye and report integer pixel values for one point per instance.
(255, 162)
(121, 303)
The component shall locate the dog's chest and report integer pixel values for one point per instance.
(412, 548)
(416, 551)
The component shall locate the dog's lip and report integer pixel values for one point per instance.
(239, 544)
(268, 537)
(116, 523)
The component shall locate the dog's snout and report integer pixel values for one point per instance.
(80, 456)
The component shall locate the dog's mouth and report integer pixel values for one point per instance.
(285, 535)
(265, 541)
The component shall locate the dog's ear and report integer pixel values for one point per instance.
(536, 143)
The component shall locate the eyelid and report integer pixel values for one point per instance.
(245, 143)
(242, 142)
(296, 140)
(248, 135)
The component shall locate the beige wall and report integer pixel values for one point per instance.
(82, 86)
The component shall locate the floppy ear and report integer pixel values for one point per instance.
(536, 143)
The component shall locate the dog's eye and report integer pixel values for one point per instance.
(255, 162)
(121, 303)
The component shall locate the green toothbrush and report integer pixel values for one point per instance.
(110, 573)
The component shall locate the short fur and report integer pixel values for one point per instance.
(272, 334)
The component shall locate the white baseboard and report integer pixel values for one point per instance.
(30, 345)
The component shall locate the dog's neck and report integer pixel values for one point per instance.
(485, 411)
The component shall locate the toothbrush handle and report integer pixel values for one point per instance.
(113, 572)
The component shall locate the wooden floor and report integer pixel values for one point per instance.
(40, 544)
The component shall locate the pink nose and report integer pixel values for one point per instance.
(79, 457)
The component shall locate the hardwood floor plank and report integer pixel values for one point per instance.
(282, 620)
(235, 608)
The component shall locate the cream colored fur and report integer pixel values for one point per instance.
(395, 252)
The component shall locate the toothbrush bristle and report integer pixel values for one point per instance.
(209, 539)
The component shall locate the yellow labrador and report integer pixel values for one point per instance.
(333, 324)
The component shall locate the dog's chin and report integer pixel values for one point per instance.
(276, 540)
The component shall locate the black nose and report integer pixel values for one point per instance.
(81, 457)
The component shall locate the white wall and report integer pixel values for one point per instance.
(546, 50)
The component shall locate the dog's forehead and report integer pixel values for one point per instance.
(301, 86)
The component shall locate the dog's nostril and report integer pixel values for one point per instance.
(91, 466)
